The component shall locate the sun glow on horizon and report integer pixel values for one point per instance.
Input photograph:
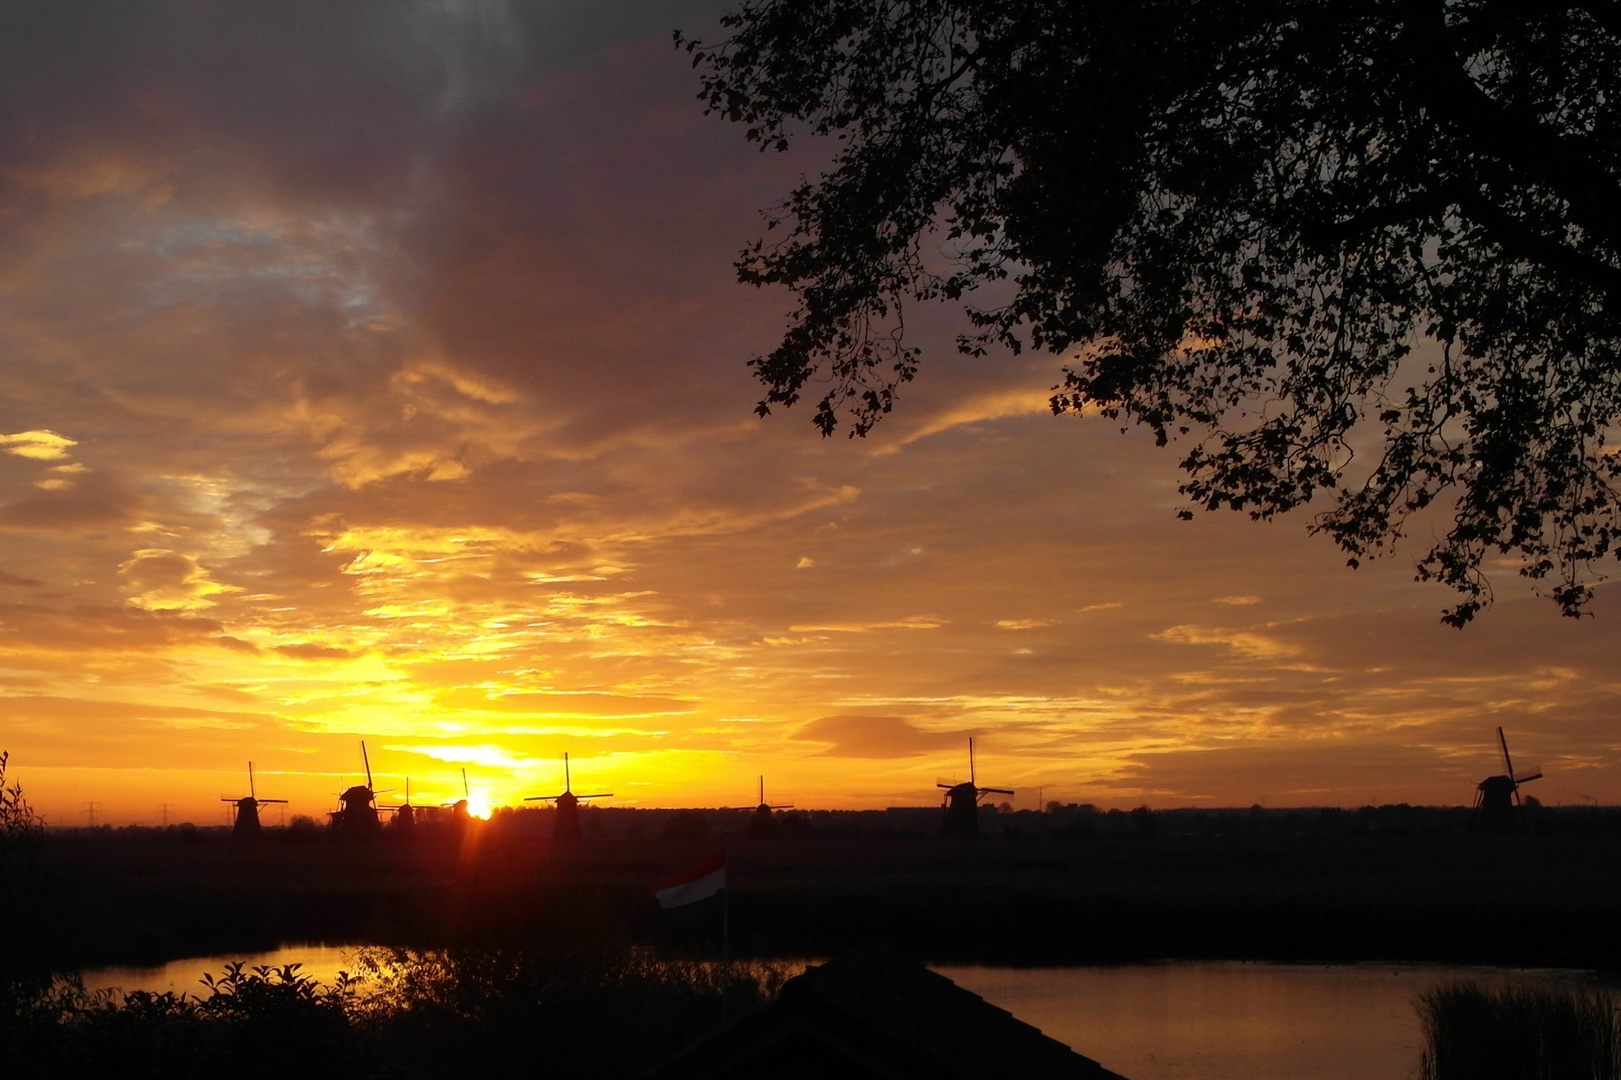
(293, 472)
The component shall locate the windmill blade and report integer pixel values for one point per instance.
(944, 786)
(224, 799)
(995, 791)
(465, 793)
(266, 802)
(1508, 766)
(762, 791)
(945, 781)
(252, 792)
(568, 785)
(1527, 779)
(598, 795)
(367, 760)
(540, 798)
(781, 806)
(971, 779)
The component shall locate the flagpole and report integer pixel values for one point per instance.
(725, 935)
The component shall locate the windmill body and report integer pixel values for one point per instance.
(404, 822)
(1497, 798)
(960, 817)
(246, 826)
(460, 814)
(357, 817)
(566, 824)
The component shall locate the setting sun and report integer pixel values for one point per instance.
(442, 438)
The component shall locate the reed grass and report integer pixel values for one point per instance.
(505, 1012)
(1472, 1032)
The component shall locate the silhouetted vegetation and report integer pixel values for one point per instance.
(1520, 1033)
(503, 1012)
(507, 1012)
(685, 825)
(1237, 224)
(26, 922)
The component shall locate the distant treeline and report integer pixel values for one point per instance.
(1057, 821)
(1398, 819)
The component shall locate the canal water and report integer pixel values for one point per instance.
(1175, 1021)
(1235, 1021)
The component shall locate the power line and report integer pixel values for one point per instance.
(91, 807)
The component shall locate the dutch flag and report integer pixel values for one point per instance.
(696, 883)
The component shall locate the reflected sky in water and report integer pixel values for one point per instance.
(1233, 1021)
(1177, 1021)
(319, 962)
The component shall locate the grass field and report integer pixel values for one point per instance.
(1519, 900)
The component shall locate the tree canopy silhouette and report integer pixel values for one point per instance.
(1363, 248)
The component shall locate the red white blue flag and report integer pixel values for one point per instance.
(694, 884)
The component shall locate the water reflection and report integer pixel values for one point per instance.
(1180, 1021)
(1229, 1021)
(319, 962)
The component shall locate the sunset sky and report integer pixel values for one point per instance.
(377, 371)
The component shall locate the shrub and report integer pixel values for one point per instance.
(563, 1008)
(24, 908)
(685, 825)
(496, 1012)
(1520, 1033)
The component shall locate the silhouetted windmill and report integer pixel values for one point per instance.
(459, 813)
(762, 824)
(404, 814)
(961, 803)
(1497, 797)
(566, 827)
(247, 810)
(358, 817)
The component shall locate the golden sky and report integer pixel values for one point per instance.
(376, 371)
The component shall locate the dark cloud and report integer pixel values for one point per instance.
(1320, 772)
(98, 629)
(91, 504)
(564, 704)
(308, 651)
(875, 737)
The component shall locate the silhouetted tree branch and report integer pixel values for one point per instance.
(1286, 229)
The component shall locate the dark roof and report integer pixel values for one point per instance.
(876, 1013)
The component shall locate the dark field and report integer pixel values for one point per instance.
(1524, 900)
